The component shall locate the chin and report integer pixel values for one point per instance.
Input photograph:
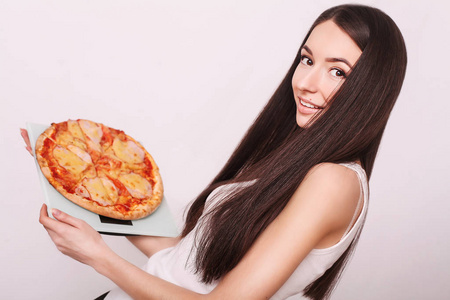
(302, 121)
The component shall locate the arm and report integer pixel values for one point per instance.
(149, 245)
(317, 215)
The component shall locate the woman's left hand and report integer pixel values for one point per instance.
(73, 237)
(26, 138)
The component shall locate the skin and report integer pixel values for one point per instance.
(326, 59)
(316, 216)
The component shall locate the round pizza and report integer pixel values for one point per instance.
(100, 168)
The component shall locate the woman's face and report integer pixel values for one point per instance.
(326, 60)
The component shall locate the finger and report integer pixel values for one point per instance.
(26, 138)
(66, 218)
(45, 220)
(29, 150)
(49, 223)
(43, 210)
(52, 226)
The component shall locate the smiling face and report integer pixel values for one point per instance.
(326, 60)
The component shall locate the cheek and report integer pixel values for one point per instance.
(330, 88)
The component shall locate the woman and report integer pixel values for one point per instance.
(282, 217)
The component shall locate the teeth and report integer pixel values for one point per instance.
(308, 105)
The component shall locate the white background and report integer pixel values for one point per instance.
(187, 78)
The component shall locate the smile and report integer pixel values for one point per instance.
(309, 105)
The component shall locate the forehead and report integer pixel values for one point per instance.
(327, 40)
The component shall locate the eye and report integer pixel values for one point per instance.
(338, 73)
(306, 60)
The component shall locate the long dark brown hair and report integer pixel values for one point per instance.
(278, 153)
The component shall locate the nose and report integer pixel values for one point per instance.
(308, 80)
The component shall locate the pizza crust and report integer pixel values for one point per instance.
(134, 209)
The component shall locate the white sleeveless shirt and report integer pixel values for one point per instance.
(176, 264)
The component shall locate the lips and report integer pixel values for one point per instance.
(306, 107)
(307, 104)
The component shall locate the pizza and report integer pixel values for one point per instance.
(100, 168)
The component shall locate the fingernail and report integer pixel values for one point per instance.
(55, 212)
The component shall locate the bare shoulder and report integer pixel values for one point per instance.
(332, 191)
(334, 176)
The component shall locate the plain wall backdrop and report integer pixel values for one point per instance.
(187, 78)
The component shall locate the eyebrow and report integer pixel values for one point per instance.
(331, 59)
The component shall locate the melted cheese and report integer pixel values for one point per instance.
(75, 130)
(63, 137)
(128, 151)
(79, 143)
(97, 190)
(111, 189)
(91, 130)
(80, 153)
(136, 185)
(69, 160)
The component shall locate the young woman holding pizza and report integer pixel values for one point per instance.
(283, 216)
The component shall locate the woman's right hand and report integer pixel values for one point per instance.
(74, 237)
(26, 138)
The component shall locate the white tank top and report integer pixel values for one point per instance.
(176, 264)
